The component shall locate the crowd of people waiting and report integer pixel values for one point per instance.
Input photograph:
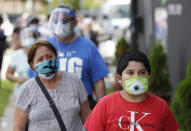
(60, 76)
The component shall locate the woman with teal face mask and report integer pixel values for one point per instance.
(65, 89)
(132, 108)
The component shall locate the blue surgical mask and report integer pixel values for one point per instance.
(47, 69)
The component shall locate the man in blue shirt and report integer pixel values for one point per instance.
(77, 54)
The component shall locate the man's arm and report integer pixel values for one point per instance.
(100, 88)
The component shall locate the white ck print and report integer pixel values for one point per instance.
(132, 123)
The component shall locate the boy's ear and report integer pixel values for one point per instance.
(118, 78)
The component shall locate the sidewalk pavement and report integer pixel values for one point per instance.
(6, 121)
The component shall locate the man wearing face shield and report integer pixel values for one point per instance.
(77, 54)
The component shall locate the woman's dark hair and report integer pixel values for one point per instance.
(35, 46)
(132, 56)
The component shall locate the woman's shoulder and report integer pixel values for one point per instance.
(28, 85)
(28, 89)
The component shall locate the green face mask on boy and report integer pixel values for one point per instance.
(136, 85)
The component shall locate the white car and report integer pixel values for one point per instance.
(118, 13)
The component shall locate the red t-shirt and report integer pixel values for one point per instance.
(114, 113)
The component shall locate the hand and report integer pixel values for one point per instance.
(21, 80)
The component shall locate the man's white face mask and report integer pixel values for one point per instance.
(62, 30)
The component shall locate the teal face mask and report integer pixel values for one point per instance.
(136, 85)
(47, 69)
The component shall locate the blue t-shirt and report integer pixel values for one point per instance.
(81, 57)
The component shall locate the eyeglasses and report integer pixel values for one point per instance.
(64, 20)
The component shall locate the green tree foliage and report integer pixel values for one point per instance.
(74, 3)
(181, 104)
(87, 3)
(5, 92)
(43, 1)
(122, 47)
(159, 82)
(92, 3)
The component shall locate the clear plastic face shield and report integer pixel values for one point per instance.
(27, 37)
(59, 24)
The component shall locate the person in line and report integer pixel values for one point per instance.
(16, 41)
(3, 45)
(33, 24)
(65, 89)
(77, 54)
(133, 108)
(18, 67)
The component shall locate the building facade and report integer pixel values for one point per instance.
(167, 21)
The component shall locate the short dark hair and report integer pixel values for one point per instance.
(32, 19)
(134, 55)
(67, 7)
(35, 46)
(1, 19)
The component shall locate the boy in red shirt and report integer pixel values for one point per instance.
(133, 108)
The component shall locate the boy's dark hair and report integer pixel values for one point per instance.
(132, 56)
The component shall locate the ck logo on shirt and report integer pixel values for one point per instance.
(128, 122)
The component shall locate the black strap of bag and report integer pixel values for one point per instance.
(52, 104)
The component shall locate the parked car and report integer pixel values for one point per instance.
(118, 13)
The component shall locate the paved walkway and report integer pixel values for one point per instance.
(7, 119)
